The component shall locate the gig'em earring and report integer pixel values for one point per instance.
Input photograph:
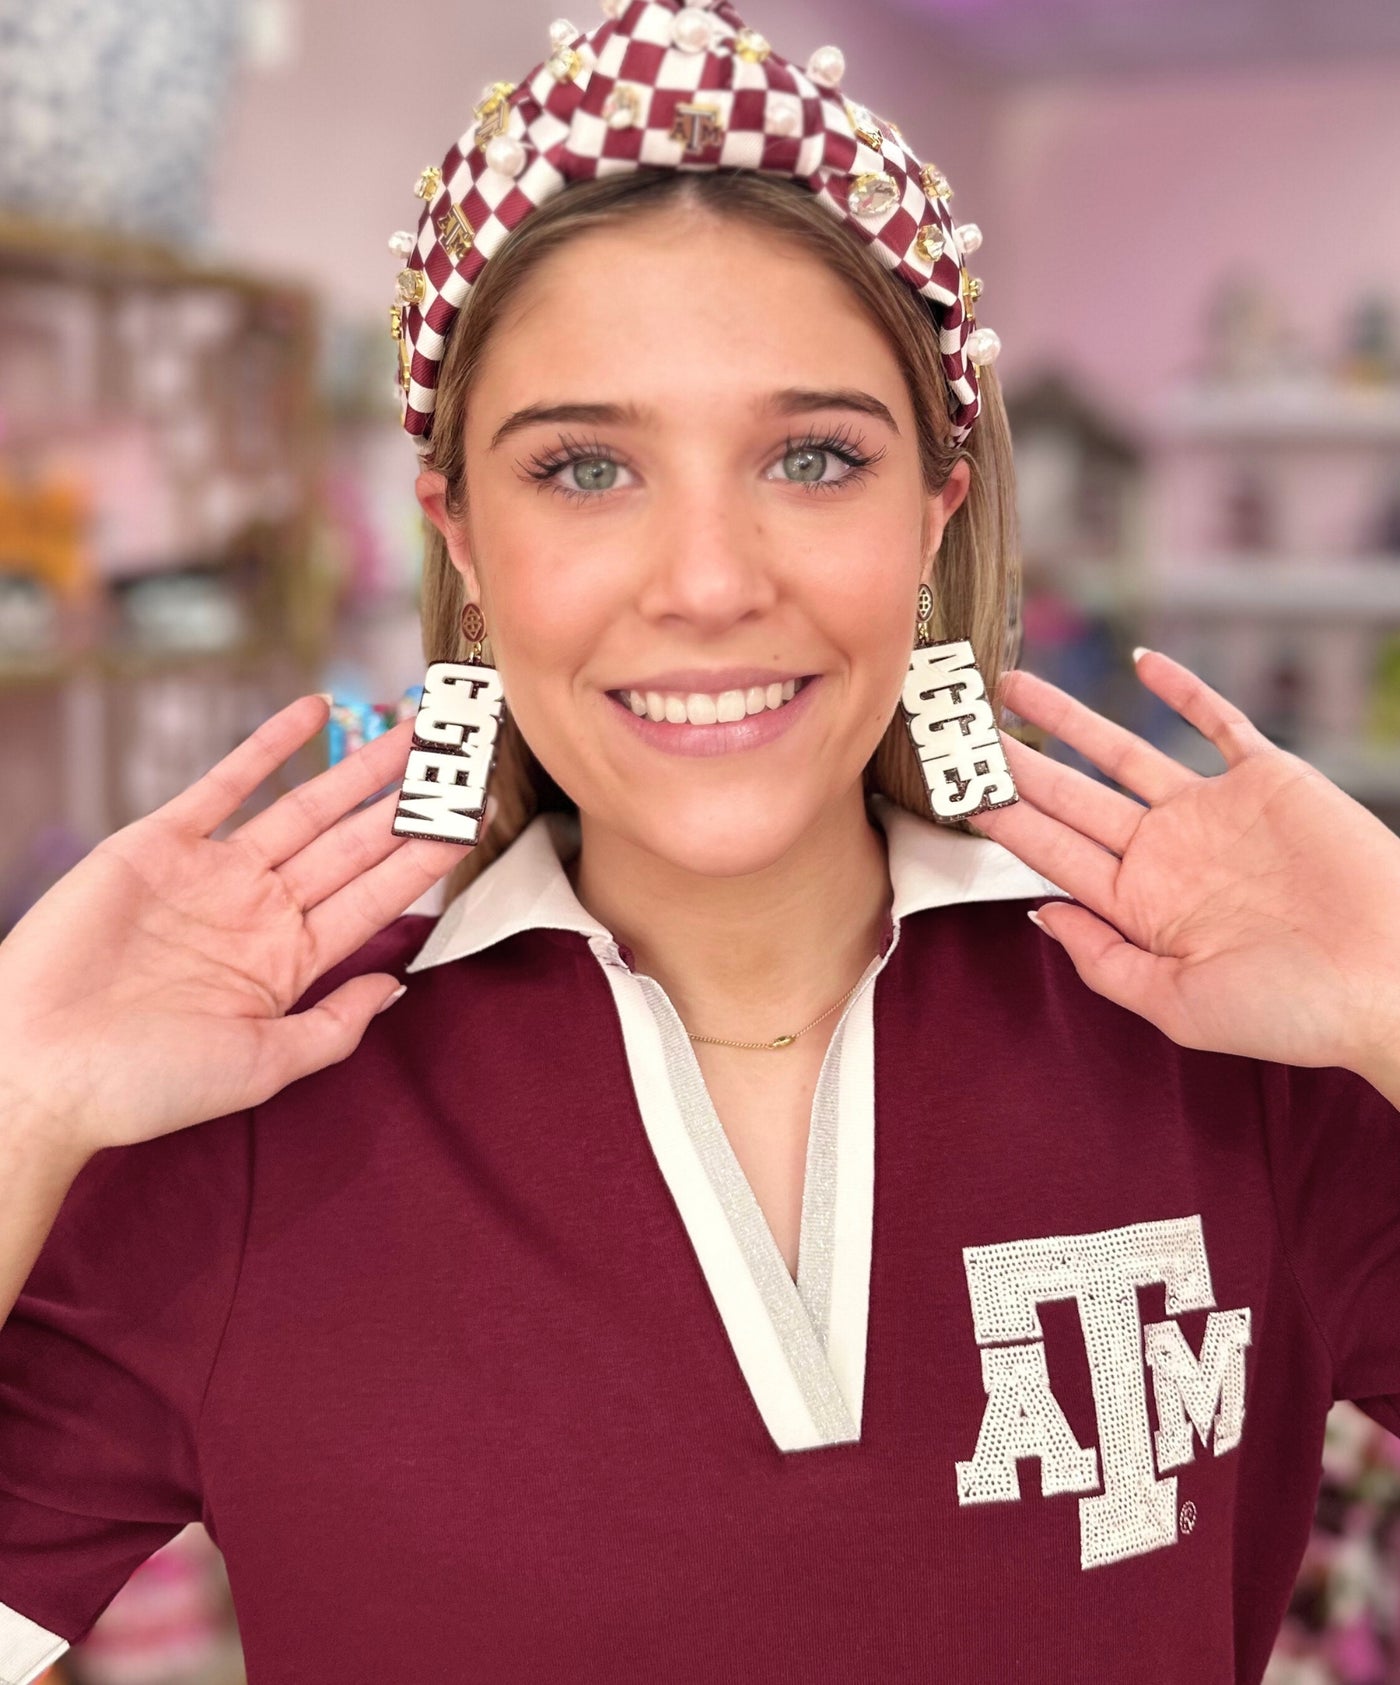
(443, 794)
(952, 727)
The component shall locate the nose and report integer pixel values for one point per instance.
(705, 557)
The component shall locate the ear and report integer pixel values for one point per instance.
(431, 490)
(940, 509)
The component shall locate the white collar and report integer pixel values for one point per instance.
(527, 888)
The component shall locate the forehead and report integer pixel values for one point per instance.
(687, 307)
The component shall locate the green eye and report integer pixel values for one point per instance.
(805, 465)
(594, 473)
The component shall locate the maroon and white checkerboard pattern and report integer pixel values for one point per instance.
(774, 117)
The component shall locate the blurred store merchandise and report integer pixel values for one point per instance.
(1267, 498)
(1079, 486)
(355, 722)
(1078, 474)
(372, 519)
(162, 584)
(119, 101)
(1247, 333)
(172, 1623)
(1343, 1620)
(1372, 350)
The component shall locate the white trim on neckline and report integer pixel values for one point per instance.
(527, 888)
(26, 1648)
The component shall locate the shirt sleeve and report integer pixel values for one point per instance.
(104, 1362)
(1334, 1160)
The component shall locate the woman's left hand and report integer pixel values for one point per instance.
(1255, 912)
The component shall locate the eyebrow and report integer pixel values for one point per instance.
(792, 400)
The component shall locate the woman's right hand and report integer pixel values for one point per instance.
(149, 988)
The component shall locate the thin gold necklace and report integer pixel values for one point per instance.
(781, 1041)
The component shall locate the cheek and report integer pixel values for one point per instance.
(867, 603)
(549, 615)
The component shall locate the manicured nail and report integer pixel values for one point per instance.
(1040, 924)
(398, 994)
(1139, 652)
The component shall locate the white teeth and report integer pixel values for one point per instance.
(702, 708)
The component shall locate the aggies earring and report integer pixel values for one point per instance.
(454, 745)
(952, 727)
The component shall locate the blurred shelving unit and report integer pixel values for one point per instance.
(160, 589)
(1079, 481)
(1273, 567)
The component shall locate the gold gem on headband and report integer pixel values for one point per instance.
(659, 85)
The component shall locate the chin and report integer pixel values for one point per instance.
(724, 836)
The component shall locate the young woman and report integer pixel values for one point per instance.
(749, 1248)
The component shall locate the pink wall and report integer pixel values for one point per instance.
(1118, 203)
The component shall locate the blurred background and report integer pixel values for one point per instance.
(1191, 253)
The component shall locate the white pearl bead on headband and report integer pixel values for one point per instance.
(661, 85)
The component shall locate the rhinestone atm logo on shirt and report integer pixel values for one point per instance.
(1135, 1511)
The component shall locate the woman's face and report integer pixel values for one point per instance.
(692, 476)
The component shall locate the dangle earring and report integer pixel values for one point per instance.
(443, 794)
(952, 727)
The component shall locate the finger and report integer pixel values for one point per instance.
(302, 1042)
(347, 919)
(347, 850)
(1070, 860)
(1218, 720)
(1064, 792)
(341, 854)
(312, 808)
(1114, 967)
(219, 794)
(1127, 758)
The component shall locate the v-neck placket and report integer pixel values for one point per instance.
(800, 1345)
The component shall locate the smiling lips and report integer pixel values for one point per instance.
(698, 707)
(714, 723)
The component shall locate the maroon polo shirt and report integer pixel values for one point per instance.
(466, 1354)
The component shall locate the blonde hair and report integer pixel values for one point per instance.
(978, 578)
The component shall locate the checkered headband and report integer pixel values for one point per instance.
(663, 86)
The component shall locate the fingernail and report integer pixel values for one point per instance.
(1140, 651)
(1040, 924)
(326, 697)
(398, 994)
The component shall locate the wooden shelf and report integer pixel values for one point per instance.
(207, 375)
